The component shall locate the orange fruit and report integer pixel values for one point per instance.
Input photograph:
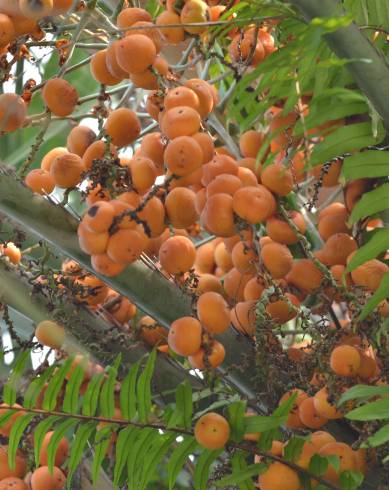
(13, 112)
(60, 96)
(50, 334)
(40, 181)
(212, 431)
(277, 178)
(250, 143)
(305, 275)
(277, 259)
(173, 35)
(280, 231)
(345, 360)
(213, 312)
(184, 336)
(67, 170)
(243, 317)
(180, 121)
(183, 155)
(324, 407)
(181, 208)
(213, 358)
(135, 53)
(61, 453)
(281, 311)
(346, 459)
(20, 464)
(42, 478)
(123, 126)
(278, 476)
(100, 64)
(217, 216)
(177, 255)
(309, 415)
(293, 421)
(254, 204)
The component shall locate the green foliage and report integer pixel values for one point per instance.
(370, 203)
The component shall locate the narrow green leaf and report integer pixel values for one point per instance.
(142, 444)
(143, 390)
(36, 386)
(236, 416)
(380, 294)
(59, 432)
(101, 443)
(107, 394)
(350, 480)
(334, 461)
(378, 243)
(81, 436)
(239, 464)
(379, 438)
(154, 457)
(285, 407)
(367, 164)
(318, 465)
(344, 140)
(293, 448)
(178, 458)
(128, 393)
(39, 434)
(17, 431)
(363, 391)
(91, 396)
(184, 403)
(203, 466)
(11, 387)
(371, 203)
(124, 441)
(55, 385)
(260, 423)
(377, 410)
(72, 391)
(238, 477)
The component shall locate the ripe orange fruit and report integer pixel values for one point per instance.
(79, 139)
(254, 204)
(123, 126)
(369, 274)
(320, 438)
(253, 165)
(42, 478)
(184, 336)
(153, 147)
(126, 246)
(173, 35)
(5, 428)
(280, 231)
(244, 257)
(7, 30)
(143, 173)
(353, 192)
(243, 317)
(254, 288)
(51, 155)
(20, 464)
(279, 477)
(154, 215)
(61, 453)
(212, 431)
(309, 415)
(97, 151)
(345, 360)
(177, 255)
(217, 216)
(149, 79)
(183, 155)
(337, 248)
(277, 259)
(90, 242)
(234, 284)
(277, 178)
(35, 10)
(330, 178)
(220, 164)
(60, 96)
(223, 257)
(111, 65)
(224, 183)
(247, 177)
(180, 207)
(102, 264)
(182, 96)
(305, 275)
(13, 483)
(214, 358)
(13, 112)
(324, 407)
(293, 421)
(128, 16)
(151, 332)
(50, 334)
(209, 282)
(346, 459)
(99, 67)
(250, 143)
(99, 217)
(40, 181)
(203, 91)
(149, 31)
(180, 121)
(213, 312)
(194, 11)
(280, 310)
(135, 53)
(207, 146)
(66, 170)
(241, 48)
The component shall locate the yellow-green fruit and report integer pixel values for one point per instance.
(195, 11)
(50, 334)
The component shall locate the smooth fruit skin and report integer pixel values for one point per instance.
(20, 464)
(309, 415)
(43, 479)
(346, 459)
(13, 112)
(100, 70)
(177, 255)
(60, 96)
(183, 155)
(212, 431)
(135, 53)
(213, 312)
(128, 16)
(7, 30)
(79, 139)
(50, 334)
(254, 204)
(13, 483)
(184, 336)
(66, 170)
(61, 453)
(345, 360)
(40, 181)
(213, 359)
(123, 126)
(279, 477)
(180, 121)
